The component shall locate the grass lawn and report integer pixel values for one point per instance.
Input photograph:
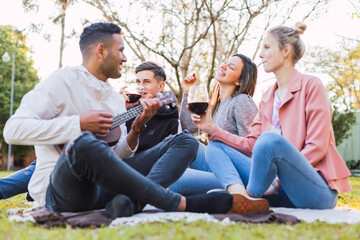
(181, 230)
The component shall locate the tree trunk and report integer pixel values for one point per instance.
(4, 156)
(62, 41)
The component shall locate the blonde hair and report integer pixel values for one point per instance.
(286, 35)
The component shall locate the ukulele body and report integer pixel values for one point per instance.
(112, 137)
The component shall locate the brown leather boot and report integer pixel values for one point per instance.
(243, 204)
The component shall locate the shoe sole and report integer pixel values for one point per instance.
(242, 204)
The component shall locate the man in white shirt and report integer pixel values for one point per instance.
(74, 105)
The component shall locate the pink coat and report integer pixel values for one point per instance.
(305, 118)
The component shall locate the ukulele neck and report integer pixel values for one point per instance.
(123, 117)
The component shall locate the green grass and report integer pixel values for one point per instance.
(181, 230)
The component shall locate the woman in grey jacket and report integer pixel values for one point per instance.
(234, 111)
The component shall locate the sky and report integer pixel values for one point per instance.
(325, 32)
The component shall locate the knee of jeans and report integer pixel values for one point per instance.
(269, 139)
(85, 145)
(187, 140)
(211, 148)
(215, 144)
(82, 142)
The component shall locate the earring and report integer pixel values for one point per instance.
(282, 58)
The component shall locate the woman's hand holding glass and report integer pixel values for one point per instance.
(200, 108)
(204, 121)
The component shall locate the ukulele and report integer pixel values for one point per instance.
(114, 133)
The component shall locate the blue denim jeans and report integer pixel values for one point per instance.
(200, 163)
(273, 155)
(198, 178)
(166, 162)
(17, 182)
(90, 174)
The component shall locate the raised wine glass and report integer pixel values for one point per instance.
(132, 92)
(198, 99)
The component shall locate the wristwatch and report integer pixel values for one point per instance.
(136, 129)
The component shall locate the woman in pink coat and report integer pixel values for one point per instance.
(289, 155)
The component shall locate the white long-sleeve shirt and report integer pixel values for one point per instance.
(50, 115)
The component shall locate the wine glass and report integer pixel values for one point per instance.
(132, 92)
(198, 99)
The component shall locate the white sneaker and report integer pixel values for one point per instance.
(216, 190)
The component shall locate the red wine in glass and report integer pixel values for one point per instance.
(133, 97)
(198, 107)
(198, 99)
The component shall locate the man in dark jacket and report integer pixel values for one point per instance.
(151, 79)
(159, 130)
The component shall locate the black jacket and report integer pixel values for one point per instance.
(164, 123)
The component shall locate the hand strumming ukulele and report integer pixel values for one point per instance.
(113, 136)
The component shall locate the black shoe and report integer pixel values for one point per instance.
(120, 206)
(28, 197)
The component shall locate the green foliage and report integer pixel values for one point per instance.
(182, 230)
(351, 199)
(342, 122)
(343, 66)
(346, 73)
(13, 41)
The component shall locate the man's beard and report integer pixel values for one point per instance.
(108, 67)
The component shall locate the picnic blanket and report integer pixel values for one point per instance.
(98, 218)
(151, 214)
(331, 216)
